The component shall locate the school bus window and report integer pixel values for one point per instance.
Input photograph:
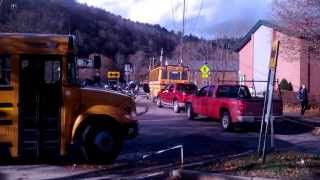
(164, 74)
(174, 75)
(52, 72)
(185, 75)
(5, 70)
(72, 71)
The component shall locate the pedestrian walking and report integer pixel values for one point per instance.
(303, 98)
(146, 89)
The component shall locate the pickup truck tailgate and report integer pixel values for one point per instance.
(254, 107)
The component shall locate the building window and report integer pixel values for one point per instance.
(5, 70)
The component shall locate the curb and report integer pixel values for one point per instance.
(188, 174)
(306, 119)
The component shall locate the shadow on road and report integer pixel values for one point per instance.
(283, 127)
(286, 127)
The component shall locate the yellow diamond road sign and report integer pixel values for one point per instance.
(204, 69)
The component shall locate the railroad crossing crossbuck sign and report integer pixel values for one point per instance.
(113, 75)
(204, 71)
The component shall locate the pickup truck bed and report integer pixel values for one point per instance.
(231, 104)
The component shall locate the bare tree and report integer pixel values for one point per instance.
(300, 18)
(140, 65)
(216, 53)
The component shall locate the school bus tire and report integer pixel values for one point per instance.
(101, 143)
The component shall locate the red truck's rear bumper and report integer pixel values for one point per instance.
(182, 104)
(252, 119)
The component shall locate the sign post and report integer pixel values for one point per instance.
(127, 71)
(267, 109)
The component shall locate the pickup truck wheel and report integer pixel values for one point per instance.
(226, 121)
(190, 114)
(158, 102)
(176, 107)
(101, 144)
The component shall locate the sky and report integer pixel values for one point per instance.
(204, 18)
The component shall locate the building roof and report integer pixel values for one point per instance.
(260, 23)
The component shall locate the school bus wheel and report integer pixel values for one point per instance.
(101, 143)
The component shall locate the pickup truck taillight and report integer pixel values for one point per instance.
(242, 107)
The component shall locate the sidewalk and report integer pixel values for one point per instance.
(188, 174)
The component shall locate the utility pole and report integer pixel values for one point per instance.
(161, 57)
(309, 69)
(153, 62)
(182, 34)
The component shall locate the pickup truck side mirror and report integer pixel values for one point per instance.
(198, 93)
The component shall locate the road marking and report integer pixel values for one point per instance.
(155, 174)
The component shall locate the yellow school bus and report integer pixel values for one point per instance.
(44, 114)
(161, 76)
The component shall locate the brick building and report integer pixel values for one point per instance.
(298, 62)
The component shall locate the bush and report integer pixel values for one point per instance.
(285, 85)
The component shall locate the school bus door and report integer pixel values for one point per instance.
(40, 101)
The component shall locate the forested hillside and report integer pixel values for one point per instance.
(96, 30)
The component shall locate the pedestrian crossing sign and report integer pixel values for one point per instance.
(205, 71)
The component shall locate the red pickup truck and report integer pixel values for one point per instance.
(231, 104)
(175, 95)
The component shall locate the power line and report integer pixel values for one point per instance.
(174, 23)
(198, 16)
(182, 34)
(186, 12)
(174, 8)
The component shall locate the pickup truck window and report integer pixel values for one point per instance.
(233, 92)
(211, 90)
(187, 87)
(170, 88)
(203, 91)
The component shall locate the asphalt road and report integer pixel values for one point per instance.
(161, 128)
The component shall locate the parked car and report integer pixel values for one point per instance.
(175, 95)
(231, 104)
